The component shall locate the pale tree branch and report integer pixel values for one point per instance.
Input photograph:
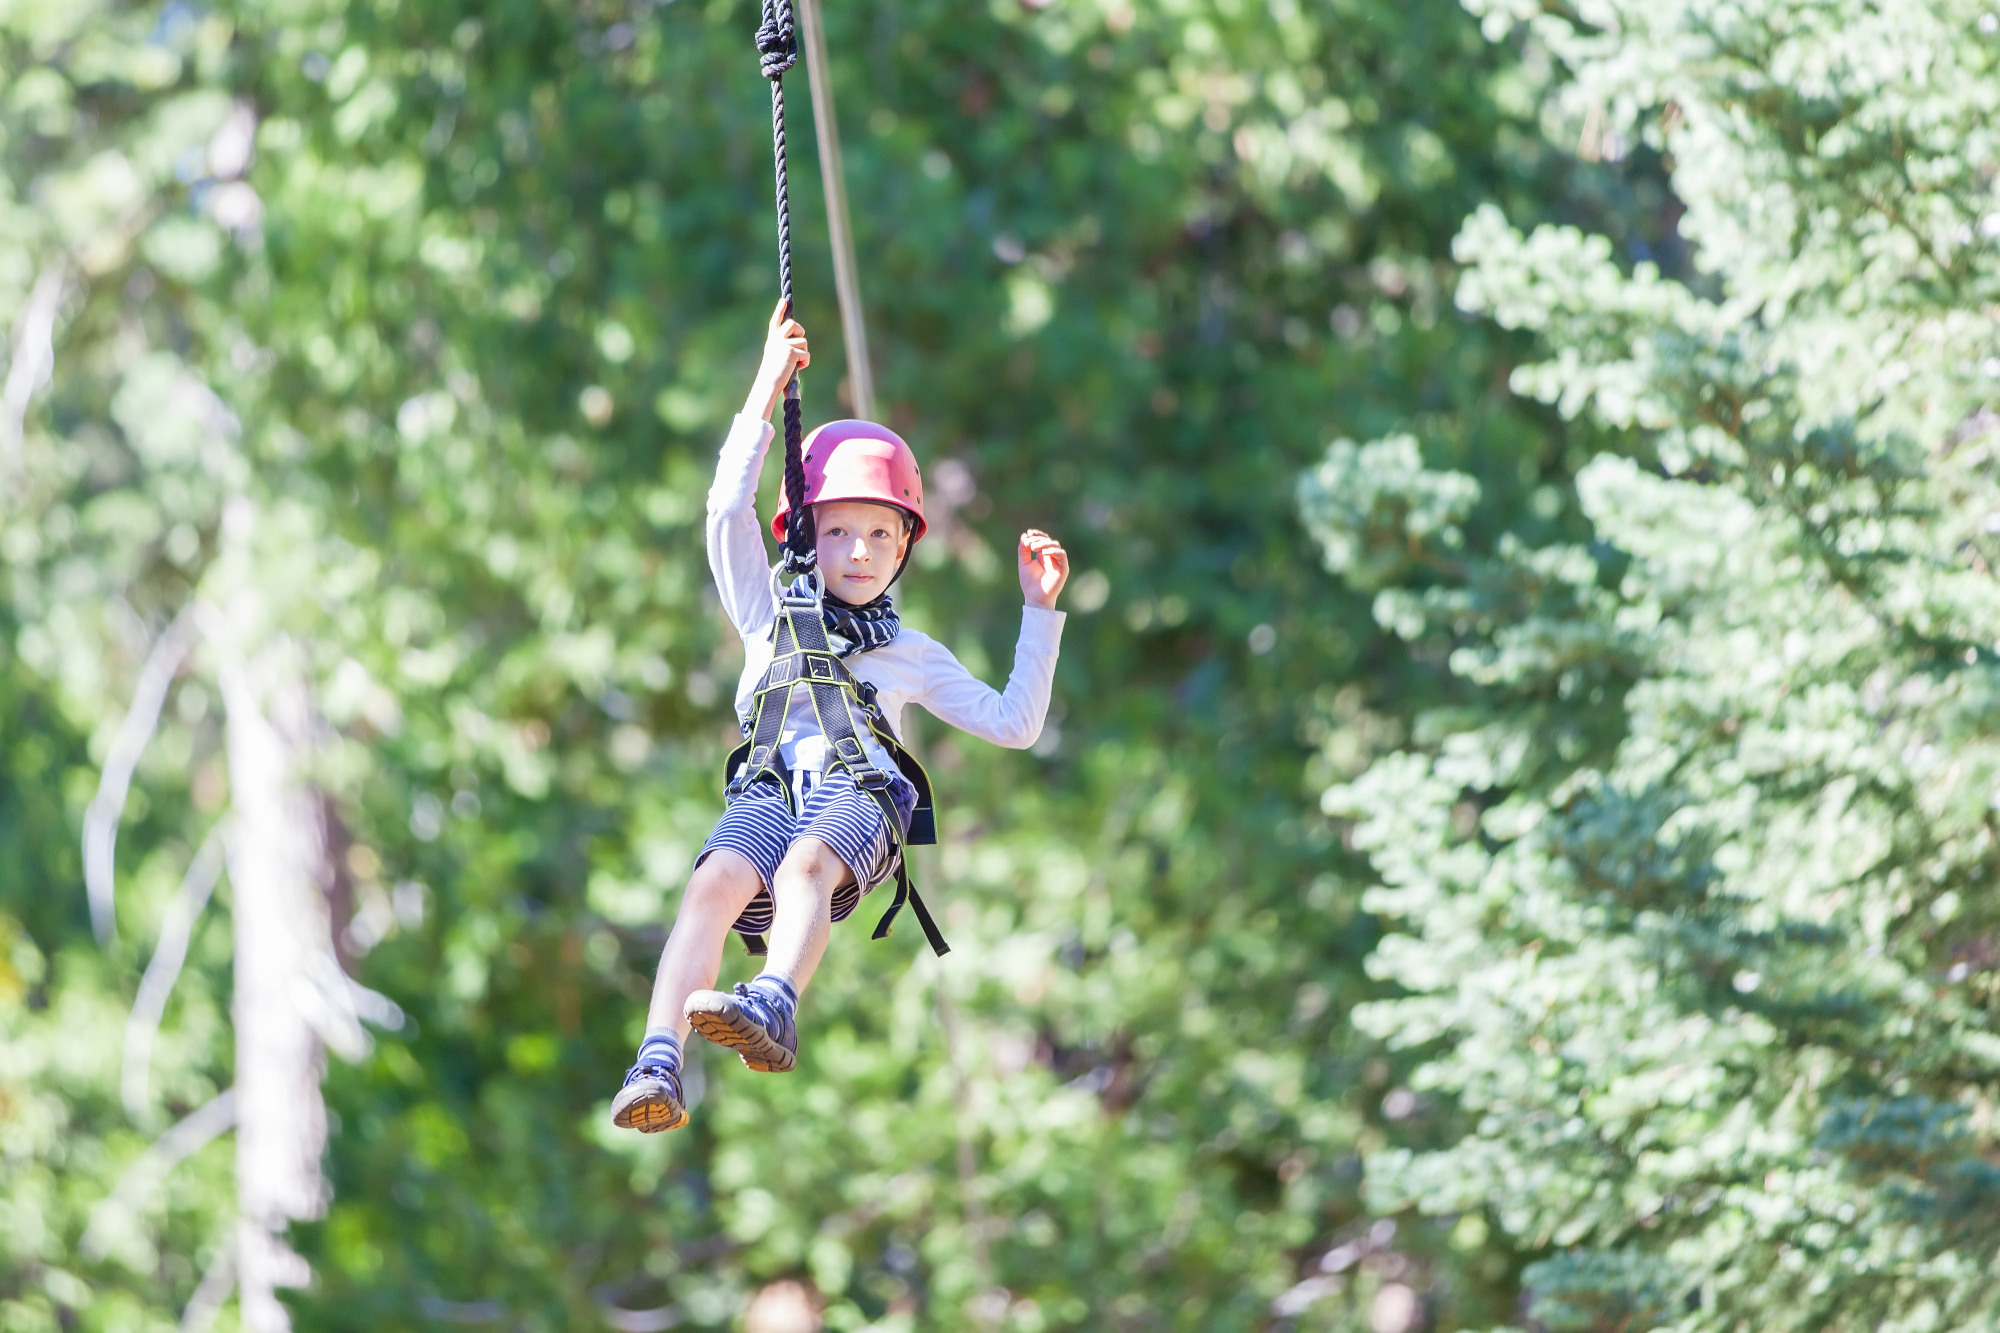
(195, 1131)
(100, 820)
(33, 363)
(216, 1284)
(169, 955)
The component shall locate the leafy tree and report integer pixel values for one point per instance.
(1690, 873)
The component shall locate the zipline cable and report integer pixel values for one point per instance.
(846, 274)
(777, 51)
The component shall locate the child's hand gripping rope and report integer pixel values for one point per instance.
(1044, 568)
(785, 354)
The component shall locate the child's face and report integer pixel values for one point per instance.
(861, 546)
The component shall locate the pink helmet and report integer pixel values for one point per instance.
(859, 460)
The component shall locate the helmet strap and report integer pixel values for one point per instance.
(901, 565)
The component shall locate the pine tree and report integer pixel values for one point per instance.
(1690, 880)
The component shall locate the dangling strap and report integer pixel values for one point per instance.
(907, 892)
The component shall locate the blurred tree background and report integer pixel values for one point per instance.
(367, 362)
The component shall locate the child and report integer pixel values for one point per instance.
(796, 874)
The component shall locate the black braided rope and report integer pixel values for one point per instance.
(777, 51)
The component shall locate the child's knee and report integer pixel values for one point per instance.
(724, 882)
(812, 867)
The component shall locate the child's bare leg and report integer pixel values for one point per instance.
(720, 888)
(718, 891)
(804, 887)
(757, 1021)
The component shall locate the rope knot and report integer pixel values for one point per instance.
(775, 40)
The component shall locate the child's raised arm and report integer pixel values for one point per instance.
(736, 554)
(1012, 717)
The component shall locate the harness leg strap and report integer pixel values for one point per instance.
(888, 921)
(907, 892)
(931, 932)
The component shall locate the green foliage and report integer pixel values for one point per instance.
(1688, 878)
(1363, 501)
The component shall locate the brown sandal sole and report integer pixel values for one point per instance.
(647, 1108)
(720, 1021)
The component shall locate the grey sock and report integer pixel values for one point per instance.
(661, 1047)
(778, 990)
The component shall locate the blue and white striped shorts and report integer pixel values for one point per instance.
(759, 825)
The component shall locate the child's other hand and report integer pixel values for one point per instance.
(785, 354)
(1044, 568)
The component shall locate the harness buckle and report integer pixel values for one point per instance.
(872, 780)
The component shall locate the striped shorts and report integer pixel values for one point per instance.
(759, 825)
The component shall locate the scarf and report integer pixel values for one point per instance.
(870, 625)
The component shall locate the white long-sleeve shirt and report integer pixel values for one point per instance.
(911, 668)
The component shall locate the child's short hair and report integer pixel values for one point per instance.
(909, 519)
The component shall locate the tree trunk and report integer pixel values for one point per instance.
(291, 997)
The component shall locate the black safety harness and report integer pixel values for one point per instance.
(845, 708)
